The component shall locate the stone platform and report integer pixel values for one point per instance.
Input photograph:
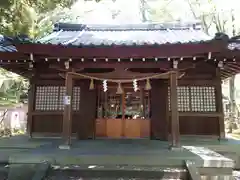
(143, 152)
(140, 153)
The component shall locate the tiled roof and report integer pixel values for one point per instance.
(136, 34)
(5, 45)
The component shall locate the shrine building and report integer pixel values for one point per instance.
(153, 81)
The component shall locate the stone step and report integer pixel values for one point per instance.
(211, 158)
(222, 177)
(117, 172)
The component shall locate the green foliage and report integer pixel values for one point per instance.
(34, 18)
(25, 16)
(12, 88)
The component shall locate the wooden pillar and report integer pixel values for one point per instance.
(174, 109)
(67, 114)
(219, 104)
(123, 114)
(31, 97)
(105, 115)
(142, 102)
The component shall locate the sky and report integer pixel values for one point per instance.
(129, 10)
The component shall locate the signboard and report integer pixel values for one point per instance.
(67, 100)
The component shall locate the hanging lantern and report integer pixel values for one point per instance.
(66, 63)
(135, 86)
(91, 87)
(31, 57)
(209, 55)
(148, 85)
(105, 86)
(220, 64)
(30, 65)
(119, 89)
(175, 64)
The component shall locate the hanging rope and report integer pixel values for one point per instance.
(123, 80)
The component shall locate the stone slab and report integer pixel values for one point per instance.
(124, 160)
(41, 171)
(217, 178)
(6, 153)
(210, 158)
(21, 143)
(26, 158)
(64, 147)
(21, 172)
(69, 157)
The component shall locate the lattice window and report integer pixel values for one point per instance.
(195, 98)
(46, 98)
(50, 98)
(183, 99)
(62, 92)
(76, 98)
(203, 99)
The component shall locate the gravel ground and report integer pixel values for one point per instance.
(3, 172)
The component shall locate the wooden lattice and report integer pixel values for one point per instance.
(195, 98)
(62, 91)
(183, 99)
(47, 98)
(50, 98)
(76, 98)
(203, 99)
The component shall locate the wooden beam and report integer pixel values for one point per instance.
(103, 65)
(163, 65)
(199, 114)
(13, 56)
(67, 113)
(146, 51)
(174, 109)
(219, 104)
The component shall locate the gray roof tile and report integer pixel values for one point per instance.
(80, 35)
(5, 45)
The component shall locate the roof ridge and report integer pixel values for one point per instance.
(126, 27)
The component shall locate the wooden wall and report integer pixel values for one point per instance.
(49, 122)
(158, 110)
(191, 123)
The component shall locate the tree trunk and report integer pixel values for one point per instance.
(143, 10)
(232, 116)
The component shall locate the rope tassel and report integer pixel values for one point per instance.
(91, 87)
(119, 89)
(148, 85)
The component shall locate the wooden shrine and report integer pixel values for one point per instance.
(155, 81)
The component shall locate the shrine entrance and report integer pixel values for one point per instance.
(123, 115)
